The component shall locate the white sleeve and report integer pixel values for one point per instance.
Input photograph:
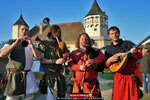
(5, 45)
(35, 45)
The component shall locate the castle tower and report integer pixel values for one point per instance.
(96, 25)
(15, 27)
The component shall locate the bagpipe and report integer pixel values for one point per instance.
(62, 48)
(49, 46)
(93, 54)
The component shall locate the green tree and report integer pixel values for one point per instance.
(2, 44)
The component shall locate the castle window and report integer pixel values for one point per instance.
(92, 25)
(105, 18)
(95, 29)
(96, 25)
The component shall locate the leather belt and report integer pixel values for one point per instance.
(126, 73)
(51, 71)
(24, 72)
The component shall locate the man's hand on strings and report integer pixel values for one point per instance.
(133, 50)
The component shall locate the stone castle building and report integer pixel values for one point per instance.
(95, 24)
(15, 27)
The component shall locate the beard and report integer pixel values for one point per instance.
(85, 44)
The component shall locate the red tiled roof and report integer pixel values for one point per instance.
(70, 31)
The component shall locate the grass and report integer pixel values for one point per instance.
(107, 75)
(146, 96)
(69, 74)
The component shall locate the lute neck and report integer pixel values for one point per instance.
(135, 46)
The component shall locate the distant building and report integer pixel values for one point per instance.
(123, 38)
(145, 45)
(95, 24)
(15, 27)
(70, 33)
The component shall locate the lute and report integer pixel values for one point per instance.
(120, 64)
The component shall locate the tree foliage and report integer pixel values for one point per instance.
(2, 44)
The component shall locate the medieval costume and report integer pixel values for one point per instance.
(90, 83)
(124, 87)
(53, 76)
(21, 80)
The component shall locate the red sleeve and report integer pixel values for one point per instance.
(107, 65)
(100, 58)
(138, 55)
(73, 66)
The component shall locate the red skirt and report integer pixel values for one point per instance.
(124, 88)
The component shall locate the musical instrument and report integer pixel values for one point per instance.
(82, 81)
(92, 54)
(46, 21)
(46, 44)
(120, 64)
(58, 51)
(24, 43)
(62, 48)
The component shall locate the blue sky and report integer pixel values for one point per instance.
(131, 16)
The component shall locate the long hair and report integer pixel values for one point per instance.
(56, 28)
(78, 39)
